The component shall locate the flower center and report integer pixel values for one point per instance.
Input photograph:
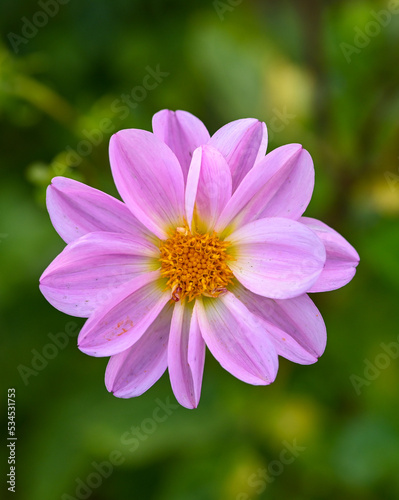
(195, 264)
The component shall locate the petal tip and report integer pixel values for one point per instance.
(189, 404)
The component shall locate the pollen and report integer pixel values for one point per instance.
(195, 264)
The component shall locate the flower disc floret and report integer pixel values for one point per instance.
(195, 264)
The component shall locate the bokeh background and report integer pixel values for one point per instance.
(321, 73)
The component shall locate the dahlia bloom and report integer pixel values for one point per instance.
(209, 249)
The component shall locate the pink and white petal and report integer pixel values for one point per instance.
(196, 354)
(341, 260)
(278, 258)
(132, 372)
(280, 185)
(123, 320)
(293, 189)
(182, 132)
(89, 270)
(186, 355)
(242, 143)
(149, 179)
(76, 209)
(237, 339)
(208, 188)
(295, 325)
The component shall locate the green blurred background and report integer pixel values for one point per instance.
(321, 73)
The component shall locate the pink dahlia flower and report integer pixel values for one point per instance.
(208, 248)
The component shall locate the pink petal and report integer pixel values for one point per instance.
(186, 356)
(242, 143)
(76, 209)
(208, 188)
(277, 258)
(182, 132)
(280, 185)
(295, 325)
(149, 179)
(89, 270)
(341, 261)
(122, 321)
(237, 339)
(132, 372)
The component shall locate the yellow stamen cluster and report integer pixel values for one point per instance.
(195, 264)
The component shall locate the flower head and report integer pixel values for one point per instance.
(209, 249)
